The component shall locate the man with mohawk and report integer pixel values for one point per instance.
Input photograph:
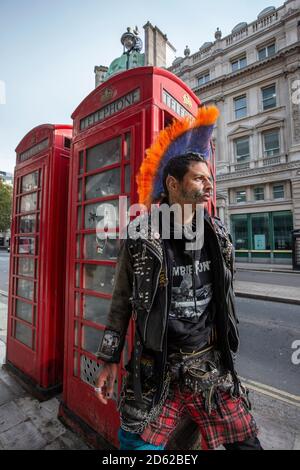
(178, 289)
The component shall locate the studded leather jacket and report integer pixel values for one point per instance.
(142, 291)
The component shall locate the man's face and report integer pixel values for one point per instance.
(196, 186)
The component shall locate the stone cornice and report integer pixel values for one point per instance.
(258, 171)
(250, 68)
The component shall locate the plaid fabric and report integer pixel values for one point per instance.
(231, 423)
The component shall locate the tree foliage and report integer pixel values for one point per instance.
(5, 206)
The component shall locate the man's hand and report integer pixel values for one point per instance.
(105, 382)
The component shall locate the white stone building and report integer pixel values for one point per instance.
(253, 75)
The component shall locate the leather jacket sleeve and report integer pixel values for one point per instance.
(113, 339)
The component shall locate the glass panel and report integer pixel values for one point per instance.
(77, 304)
(96, 309)
(278, 191)
(92, 213)
(79, 194)
(77, 275)
(78, 247)
(25, 288)
(27, 224)
(242, 149)
(103, 184)
(96, 249)
(28, 203)
(240, 105)
(127, 148)
(75, 373)
(283, 226)
(269, 97)
(260, 232)
(127, 178)
(76, 333)
(103, 154)
(79, 218)
(81, 162)
(240, 232)
(241, 196)
(26, 266)
(98, 278)
(91, 339)
(259, 194)
(30, 182)
(262, 54)
(23, 333)
(26, 245)
(24, 311)
(271, 50)
(271, 140)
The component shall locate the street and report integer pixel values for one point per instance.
(275, 278)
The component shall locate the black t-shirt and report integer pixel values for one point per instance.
(191, 315)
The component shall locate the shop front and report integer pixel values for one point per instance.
(263, 237)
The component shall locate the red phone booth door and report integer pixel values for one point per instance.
(103, 172)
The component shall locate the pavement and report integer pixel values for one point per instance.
(26, 423)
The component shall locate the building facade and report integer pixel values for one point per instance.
(253, 76)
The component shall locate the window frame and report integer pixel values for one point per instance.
(265, 99)
(265, 152)
(241, 158)
(235, 100)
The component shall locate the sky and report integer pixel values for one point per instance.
(48, 50)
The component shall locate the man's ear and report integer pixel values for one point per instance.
(171, 183)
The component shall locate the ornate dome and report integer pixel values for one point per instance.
(266, 11)
(238, 27)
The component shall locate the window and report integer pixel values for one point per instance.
(260, 231)
(238, 64)
(266, 51)
(283, 226)
(239, 229)
(278, 191)
(242, 151)
(240, 107)
(204, 78)
(259, 193)
(240, 196)
(67, 143)
(271, 143)
(269, 97)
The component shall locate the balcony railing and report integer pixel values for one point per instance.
(260, 163)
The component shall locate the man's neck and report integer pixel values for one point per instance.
(186, 214)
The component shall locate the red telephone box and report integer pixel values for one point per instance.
(113, 126)
(37, 258)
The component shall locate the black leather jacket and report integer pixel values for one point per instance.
(142, 291)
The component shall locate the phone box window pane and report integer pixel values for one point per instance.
(78, 247)
(24, 311)
(100, 214)
(79, 218)
(77, 275)
(77, 304)
(25, 289)
(106, 183)
(127, 149)
(26, 266)
(26, 245)
(104, 154)
(28, 203)
(81, 162)
(98, 278)
(96, 309)
(27, 223)
(97, 249)
(79, 195)
(30, 182)
(23, 333)
(76, 327)
(75, 373)
(89, 372)
(90, 339)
